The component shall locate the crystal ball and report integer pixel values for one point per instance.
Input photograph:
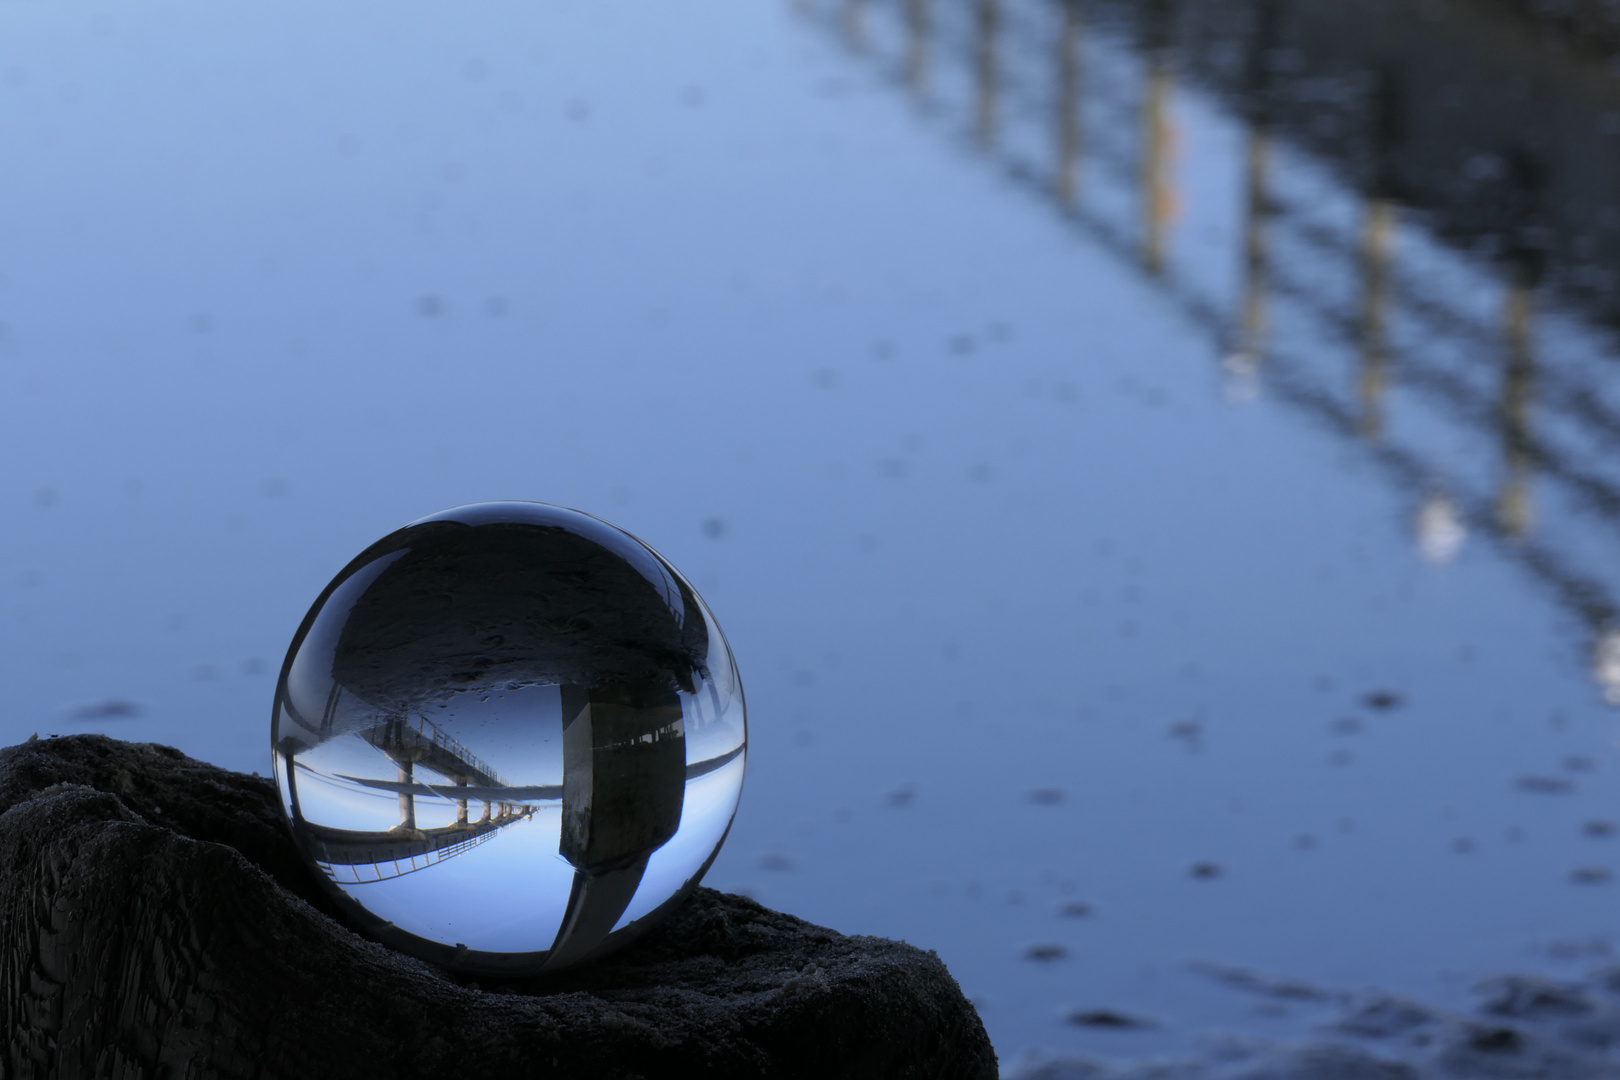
(509, 737)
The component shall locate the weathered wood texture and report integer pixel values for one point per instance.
(155, 921)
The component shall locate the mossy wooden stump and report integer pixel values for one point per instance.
(157, 922)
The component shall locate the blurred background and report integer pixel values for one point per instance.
(1156, 463)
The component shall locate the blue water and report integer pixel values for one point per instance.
(1041, 597)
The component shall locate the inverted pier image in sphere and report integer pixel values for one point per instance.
(509, 737)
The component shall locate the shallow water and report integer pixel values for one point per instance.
(1155, 470)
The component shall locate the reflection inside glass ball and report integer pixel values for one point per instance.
(509, 737)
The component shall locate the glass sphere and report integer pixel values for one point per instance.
(509, 737)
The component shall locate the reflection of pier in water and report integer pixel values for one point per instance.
(1514, 187)
(360, 856)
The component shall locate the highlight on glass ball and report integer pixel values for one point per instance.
(509, 737)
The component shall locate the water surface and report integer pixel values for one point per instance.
(1154, 464)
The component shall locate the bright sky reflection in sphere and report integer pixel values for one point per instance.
(509, 737)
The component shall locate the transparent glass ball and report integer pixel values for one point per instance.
(509, 737)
